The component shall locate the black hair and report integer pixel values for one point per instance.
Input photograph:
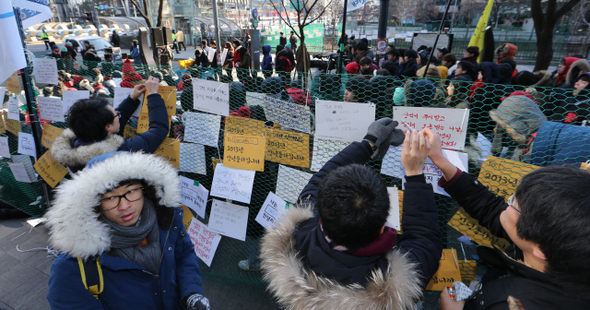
(473, 50)
(365, 61)
(466, 66)
(584, 78)
(361, 46)
(361, 87)
(411, 53)
(353, 205)
(87, 118)
(394, 52)
(555, 211)
(450, 58)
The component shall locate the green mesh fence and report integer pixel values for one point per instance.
(517, 134)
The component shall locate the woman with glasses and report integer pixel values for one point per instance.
(122, 241)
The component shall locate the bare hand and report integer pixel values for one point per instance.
(414, 152)
(451, 89)
(152, 85)
(400, 60)
(137, 91)
(445, 302)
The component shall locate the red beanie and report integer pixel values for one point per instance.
(127, 67)
(352, 68)
(520, 93)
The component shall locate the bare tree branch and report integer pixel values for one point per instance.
(146, 17)
(566, 8)
(160, 9)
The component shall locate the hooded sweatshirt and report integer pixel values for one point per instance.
(560, 79)
(267, 58)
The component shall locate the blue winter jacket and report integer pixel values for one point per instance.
(128, 285)
(557, 143)
(267, 60)
(136, 56)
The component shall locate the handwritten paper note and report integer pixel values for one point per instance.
(12, 126)
(50, 170)
(192, 158)
(50, 132)
(193, 195)
(121, 93)
(205, 241)
(211, 96)
(287, 114)
(290, 183)
(13, 111)
(228, 219)
(26, 144)
(343, 121)
(465, 224)
(170, 149)
(51, 108)
(287, 147)
(243, 126)
(324, 150)
(394, 218)
(72, 96)
(201, 128)
(447, 273)
(168, 93)
(272, 211)
(26, 161)
(450, 124)
(19, 172)
(13, 83)
(233, 183)
(501, 175)
(4, 149)
(45, 70)
(244, 152)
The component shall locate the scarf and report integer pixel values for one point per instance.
(124, 239)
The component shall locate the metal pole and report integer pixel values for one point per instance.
(342, 38)
(442, 25)
(216, 22)
(382, 30)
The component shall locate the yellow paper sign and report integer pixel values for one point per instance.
(12, 126)
(13, 83)
(468, 271)
(129, 132)
(2, 124)
(465, 224)
(287, 147)
(243, 126)
(244, 152)
(187, 216)
(50, 170)
(168, 93)
(50, 132)
(501, 175)
(447, 273)
(170, 149)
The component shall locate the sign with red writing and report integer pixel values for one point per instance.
(205, 241)
(450, 124)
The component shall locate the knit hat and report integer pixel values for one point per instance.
(64, 49)
(127, 67)
(519, 93)
(524, 78)
(56, 48)
(69, 44)
(352, 68)
(399, 97)
(288, 45)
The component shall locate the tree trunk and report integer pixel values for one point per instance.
(544, 48)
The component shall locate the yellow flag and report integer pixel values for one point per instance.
(479, 34)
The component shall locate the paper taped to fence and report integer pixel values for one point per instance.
(343, 121)
(193, 195)
(121, 93)
(244, 152)
(465, 224)
(288, 114)
(45, 70)
(447, 273)
(168, 93)
(233, 183)
(211, 96)
(205, 241)
(501, 176)
(192, 158)
(290, 183)
(273, 209)
(287, 147)
(201, 128)
(228, 219)
(50, 170)
(72, 96)
(324, 150)
(51, 108)
(26, 144)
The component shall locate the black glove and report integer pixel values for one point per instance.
(382, 134)
(197, 302)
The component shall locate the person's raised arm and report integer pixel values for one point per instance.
(129, 105)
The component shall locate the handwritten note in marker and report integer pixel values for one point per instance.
(13, 111)
(72, 96)
(13, 83)
(465, 224)
(50, 132)
(26, 144)
(169, 148)
(272, 211)
(287, 147)
(51, 108)
(447, 273)
(233, 183)
(501, 176)
(228, 219)
(193, 195)
(50, 170)
(205, 241)
(343, 121)
(244, 152)
(211, 96)
(19, 172)
(121, 93)
(4, 149)
(288, 114)
(45, 70)
(168, 93)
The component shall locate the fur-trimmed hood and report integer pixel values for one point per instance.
(63, 152)
(73, 220)
(579, 66)
(543, 77)
(296, 287)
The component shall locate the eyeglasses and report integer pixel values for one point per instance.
(510, 204)
(118, 114)
(112, 202)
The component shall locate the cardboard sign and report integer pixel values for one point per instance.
(13, 83)
(4, 148)
(50, 132)
(343, 121)
(50, 170)
(169, 148)
(450, 124)
(211, 96)
(26, 144)
(244, 152)
(465, 224)
(232, 183)
(51, 108)
(273, 209)
(72, 96)
(228, 219)
(129, 132)
(287, 147)
(288, 114)
(19, 172)
(244, 126)
(201, 128)
(205, 241)
(501, 176)
(193, 195)
(13, 111)
(168, 93)
(447, 273)
(324, 150)
(45, 70)
(290, 183)
(121, 93)
(192, 158)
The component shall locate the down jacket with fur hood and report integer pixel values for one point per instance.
(77, 231)
(75, 153)
(394, 280)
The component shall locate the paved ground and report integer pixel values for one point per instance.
(24, 275)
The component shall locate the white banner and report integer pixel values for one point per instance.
(355, 5)
(12, 56)
(32, 11)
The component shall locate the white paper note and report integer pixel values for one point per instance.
(201, 128)
(288, 114)
(228, 219)
(192, 158)
(72, 96)
(26, 144)
(393, 219)
(272, 211)
(233, 183)
(19, 172)
(324, 150)
(4, 149)
(2, 93)
(193, 195)
(343, 121)
(51, 108)
(211, 96)
(45, 70)
(290, 183)
(26, 161)
(13, 112)
(205, 241)
(121, 93)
